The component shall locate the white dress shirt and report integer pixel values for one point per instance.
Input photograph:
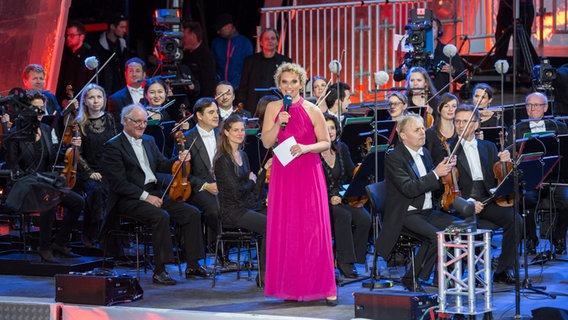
(417, 156)
(473, 160)
(149, 176)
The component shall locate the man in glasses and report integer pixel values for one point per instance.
(475, 160)
(537, 106)
(73, 71)
(131, 162)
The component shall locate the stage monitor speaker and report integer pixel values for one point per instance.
(96, 290)
(393, 305)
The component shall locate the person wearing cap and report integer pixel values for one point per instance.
(230, 49)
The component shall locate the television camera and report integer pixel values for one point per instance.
(167, 26)
(421, 39)
(24, 115)
(544, 74)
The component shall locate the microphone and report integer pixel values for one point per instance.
(335, 66)
(381, 78)
(450, 50)
(287, 103)
(91, 63)
(501, 66)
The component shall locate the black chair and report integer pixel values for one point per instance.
(243, 239)
(407, 241)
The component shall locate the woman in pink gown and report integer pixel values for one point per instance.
(299, 256)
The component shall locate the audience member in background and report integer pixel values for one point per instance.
(199, 59)
(109, 42)
(134, 73)
(230, 49)
(351, 222)
(258, 70)
(73, 71)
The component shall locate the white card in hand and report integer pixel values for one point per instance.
(282, 151)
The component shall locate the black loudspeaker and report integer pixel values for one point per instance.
(97, 290)
(393, 305)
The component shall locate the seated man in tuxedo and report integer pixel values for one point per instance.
(131, 162)
(134, 73)
(225, 96)
(411, 180)
(475, 160)
(537, 105)
(338, 98)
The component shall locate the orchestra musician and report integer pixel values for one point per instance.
(443, 129)
(225, 96)
(537, 105)
(411, 180)
(475, 159)
(482, 97)
(240, 190)
(204, 137)
(96, 126)
(38, 155)
(420, 90)
(131, 161)
(319, 86)
(337, 103)
(397, 108)
(133, 92)
(155, 94)
(351, 224)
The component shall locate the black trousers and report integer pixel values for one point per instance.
(187, 217)
(351, 230)
(208, 204)
(505, 218)
(74, 204)
(426, 224)
(255, 222)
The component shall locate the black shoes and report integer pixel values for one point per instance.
(531, 245)
(47, 256)
(332, 302)
(560, 246)
(505, 277)
(348, 270)
(64, 250)
(412, 286)
(197, 272)
(163, 278)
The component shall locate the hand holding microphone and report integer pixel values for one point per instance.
(287, 101)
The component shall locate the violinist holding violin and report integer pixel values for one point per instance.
(351, 224)
(419, 90)
(475, 160)
(225, 96)
(131, 161)
(37, 155)
(95, 127)
(443, 129)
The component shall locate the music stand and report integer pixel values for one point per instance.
(381, 109)
(387, 126)
(365, 176)
(352, 138)
(520, 110)
(491, 134)
(173, 110)
(563, 164)
(161, 133)
(254, 149)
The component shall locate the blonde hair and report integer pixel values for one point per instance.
(293, 68)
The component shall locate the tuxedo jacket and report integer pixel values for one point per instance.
(405, 187)
(488, 156)
(524, 127)
(117, 101)
(201, 171)
(123, 170)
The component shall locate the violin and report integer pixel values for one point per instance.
(500, 171)
(359, 201)
(450, 182)
(71, 160)
(180, 188)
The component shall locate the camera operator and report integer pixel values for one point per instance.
(439, 66)
(36, 154)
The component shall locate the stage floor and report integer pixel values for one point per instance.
(242, 299)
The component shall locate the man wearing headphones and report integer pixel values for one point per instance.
(439, 68)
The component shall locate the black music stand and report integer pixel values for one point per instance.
(352, 138)
(520, 111)
(492, 134)
(162, 134)
(563, 165)
(364, 176)
(173, 110)
(387, 126)
(381, 109)
(254, 149)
